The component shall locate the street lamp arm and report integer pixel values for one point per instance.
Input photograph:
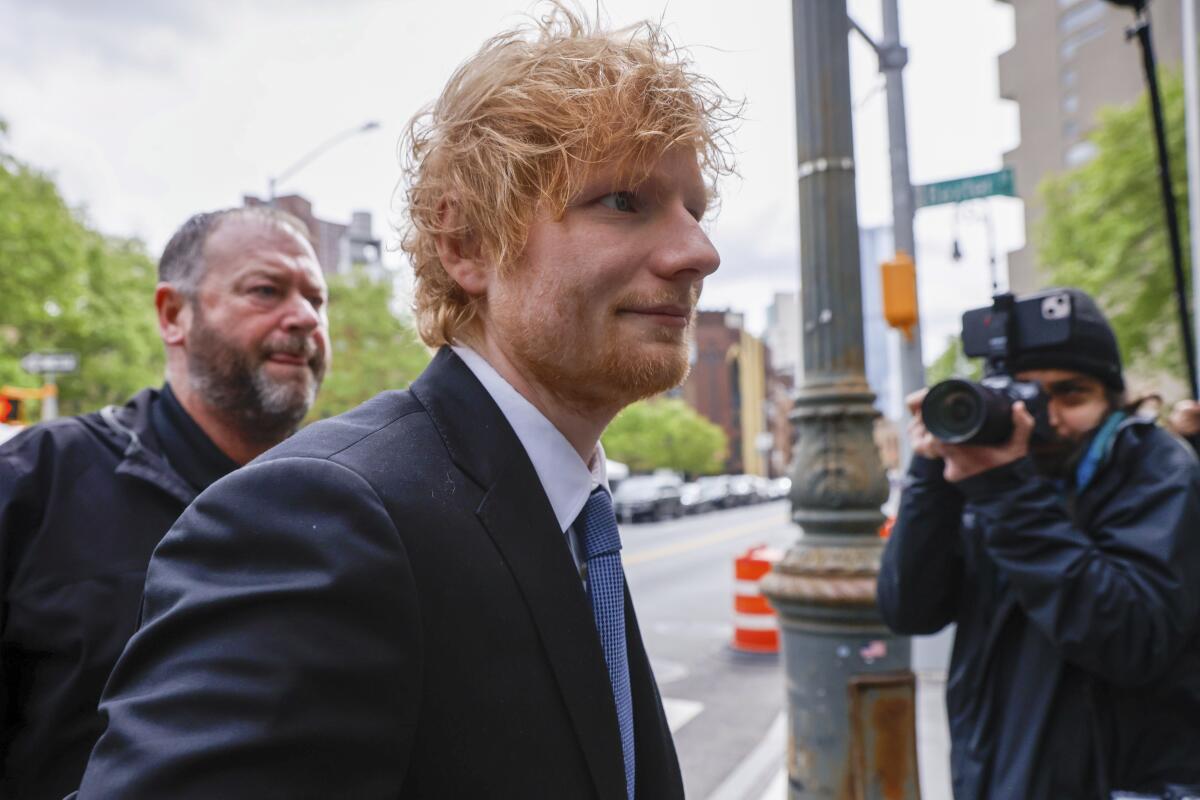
(318, 150)
(866, 36)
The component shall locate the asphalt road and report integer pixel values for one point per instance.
(721, 703)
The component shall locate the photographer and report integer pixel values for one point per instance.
(1071, 566)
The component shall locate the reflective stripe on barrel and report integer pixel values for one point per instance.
(755, 628)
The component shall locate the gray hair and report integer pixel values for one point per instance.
(182, 263)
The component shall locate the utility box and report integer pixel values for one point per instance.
(899, 277)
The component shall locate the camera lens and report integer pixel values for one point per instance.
(964, 412)
(953, 411)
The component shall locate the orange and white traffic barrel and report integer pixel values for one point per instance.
(755, 626)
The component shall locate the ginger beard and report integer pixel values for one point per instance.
(591, 358)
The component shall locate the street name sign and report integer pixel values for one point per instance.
(960, 190)
(44, 363)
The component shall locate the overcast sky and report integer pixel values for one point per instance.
(149, 110)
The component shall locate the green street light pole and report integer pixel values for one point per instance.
(848, 685)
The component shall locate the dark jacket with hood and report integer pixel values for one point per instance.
(83, 503)
(1076, 662)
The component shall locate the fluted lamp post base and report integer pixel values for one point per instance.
(850, 693)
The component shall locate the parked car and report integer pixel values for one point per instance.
(780, 488)
(691, 497)
(655, 496)
(715, 491)
(741, 490)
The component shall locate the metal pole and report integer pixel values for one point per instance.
(1191, 95)
(893, 57)
(1141, 29)
(49, 397)
(824, 588)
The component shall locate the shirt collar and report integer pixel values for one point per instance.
(566, 479)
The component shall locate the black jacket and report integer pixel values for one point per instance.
(1076, 662)
(83, 503)
(384, 606)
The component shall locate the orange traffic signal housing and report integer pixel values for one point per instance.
(900, 292)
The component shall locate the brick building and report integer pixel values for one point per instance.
(337, 246)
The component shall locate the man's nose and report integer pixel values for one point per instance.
(1052, 413)
(301, 315)
(685, 248)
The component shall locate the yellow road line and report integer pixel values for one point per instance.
(687, 545)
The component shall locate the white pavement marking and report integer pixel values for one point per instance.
(763, 762)
(680, 712)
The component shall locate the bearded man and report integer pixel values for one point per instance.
(84, 501)
(424, 598)
(1071, 568)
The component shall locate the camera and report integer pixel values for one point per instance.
(960, 411)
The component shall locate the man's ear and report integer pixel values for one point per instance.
(174, 314)
(459, 253)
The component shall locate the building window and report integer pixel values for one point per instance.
(1080, 17)
(1070, 104)
(1070, 129)
(1071, 44)
(1080, 153)
(1070, 77)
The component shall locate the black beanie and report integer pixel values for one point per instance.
(1091, 349)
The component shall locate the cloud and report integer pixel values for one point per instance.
(129, 35)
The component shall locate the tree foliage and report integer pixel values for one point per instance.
(665, 433)
(1104, 229)
(66, 287)
(953, 363)
(373, 349)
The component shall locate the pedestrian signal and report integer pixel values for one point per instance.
(10, 409)
(899, 277)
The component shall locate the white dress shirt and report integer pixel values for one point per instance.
(566, 479)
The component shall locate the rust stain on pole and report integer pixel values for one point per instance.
(883, 752)
(892, 719)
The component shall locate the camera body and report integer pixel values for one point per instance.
(959, 411)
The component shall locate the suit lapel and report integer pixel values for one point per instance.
(521, 523)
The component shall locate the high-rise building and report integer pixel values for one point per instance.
(1070, 60)
(338, 246)
(782, 334)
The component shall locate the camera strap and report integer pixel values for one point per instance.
(1098, 451)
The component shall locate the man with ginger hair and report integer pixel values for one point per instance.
(424, 597)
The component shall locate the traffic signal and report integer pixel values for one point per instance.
(10, 409)
(900, 292)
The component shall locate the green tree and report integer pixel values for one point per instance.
(1104, 230)
(953, 363)
(373, 349)
(665, 433)
(66, 287)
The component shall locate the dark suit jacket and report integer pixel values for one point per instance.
(381, 607)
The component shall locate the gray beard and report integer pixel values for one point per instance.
(235, 384)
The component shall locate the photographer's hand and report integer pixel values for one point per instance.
(965, 461)
(921, 441)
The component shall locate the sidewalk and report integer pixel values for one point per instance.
(761, 777)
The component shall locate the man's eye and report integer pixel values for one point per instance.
(264, 291)
(619, 201)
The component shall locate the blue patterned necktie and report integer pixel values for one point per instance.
(606, 589)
